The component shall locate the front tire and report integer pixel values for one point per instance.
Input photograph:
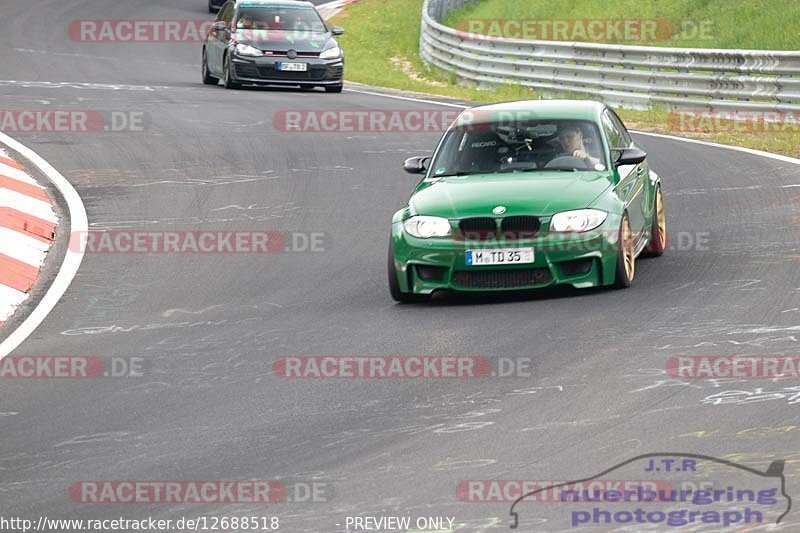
(394, 285)
(208, 79)
(334, 88)
(228, 75)
(658, 227)
(626, 259)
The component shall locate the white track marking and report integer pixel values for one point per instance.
(409, 99)
(32, 206)
(22, 247)
(751, 151)
(10, 299)
(72, 259)
(16, 173)
(331, 9)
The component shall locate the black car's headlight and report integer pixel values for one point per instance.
(331, 53)
(247, 50)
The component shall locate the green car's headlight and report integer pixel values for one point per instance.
(247, 50)
(425, 227)
(577, 221)
(331, 53)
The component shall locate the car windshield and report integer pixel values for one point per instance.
(520, 146)
(280, 18)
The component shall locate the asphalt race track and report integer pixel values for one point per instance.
(210, 326)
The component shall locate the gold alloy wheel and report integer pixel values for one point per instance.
(627, 248)
(662, 220)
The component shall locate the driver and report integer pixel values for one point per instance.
(245, 22)
(571, 138)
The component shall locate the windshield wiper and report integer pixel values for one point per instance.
(529, 169)
(506, 171)
(451, 174)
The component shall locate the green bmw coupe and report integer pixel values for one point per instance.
(526, 195)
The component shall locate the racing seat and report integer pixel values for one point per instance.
(482, 153)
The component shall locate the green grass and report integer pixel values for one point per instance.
(382, 49)
(381, 45)
(750, 24)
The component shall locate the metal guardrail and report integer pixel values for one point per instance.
(627, 76)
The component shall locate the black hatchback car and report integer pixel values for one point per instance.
(272, 42)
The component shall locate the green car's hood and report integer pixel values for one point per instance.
(530, 193)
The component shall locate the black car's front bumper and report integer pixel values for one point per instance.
(263, 71)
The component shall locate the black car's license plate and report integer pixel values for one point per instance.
(293, 67)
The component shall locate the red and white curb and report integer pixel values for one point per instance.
(27, 229)
(71, 262)
(331, 9)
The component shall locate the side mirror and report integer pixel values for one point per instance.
(628, 156)
(337, 30)
(219, 25)
(416, 165)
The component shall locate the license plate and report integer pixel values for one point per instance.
(295, 67)
(502, 256)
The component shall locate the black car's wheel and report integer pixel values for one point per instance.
(227, 80)
(334, 88)
(626, 260)
(208, 79)
(211, 8)
(658, 227)
(394, 285)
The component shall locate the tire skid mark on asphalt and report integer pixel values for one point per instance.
(186, 176)
(747, 396)
(336, 168)
(256, 207)
(113, 328)
(744, 433)
(241, 217)
(81, 85)
(169, 312)
(738, 395)
(216, 182)
(95, 57)
(141, 224)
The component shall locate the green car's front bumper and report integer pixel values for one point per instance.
(581, 260)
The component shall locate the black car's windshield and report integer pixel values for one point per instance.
(520, 146)
(280, 18)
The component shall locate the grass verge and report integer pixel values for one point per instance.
(382, 49)
(755, 24)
